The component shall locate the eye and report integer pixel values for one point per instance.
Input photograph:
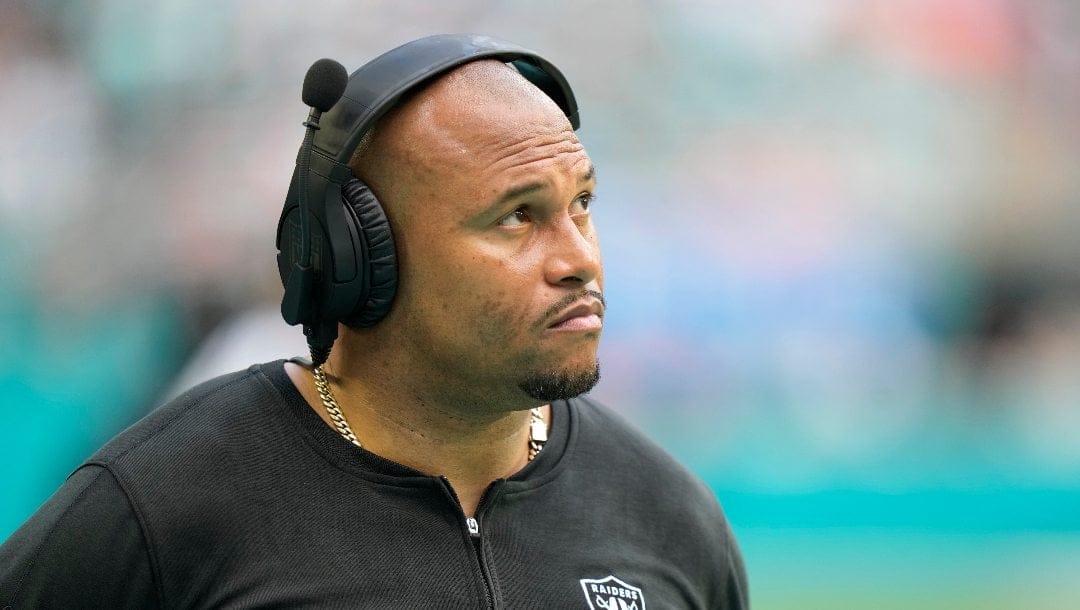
(582, 204)
(516, 218)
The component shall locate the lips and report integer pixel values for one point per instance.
(582, 316)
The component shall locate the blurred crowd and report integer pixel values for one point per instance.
(840, 236)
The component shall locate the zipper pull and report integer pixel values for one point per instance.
(474, 527)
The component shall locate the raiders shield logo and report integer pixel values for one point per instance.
(612, 594)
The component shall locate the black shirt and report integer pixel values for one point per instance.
(237, 494)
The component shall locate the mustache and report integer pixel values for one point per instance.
(572, 298)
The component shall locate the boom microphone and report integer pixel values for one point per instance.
(324, 83)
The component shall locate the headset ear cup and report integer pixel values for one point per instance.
(379, 261)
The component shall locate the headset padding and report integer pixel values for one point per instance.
(380, 257)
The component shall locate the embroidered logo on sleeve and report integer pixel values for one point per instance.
(612, 594)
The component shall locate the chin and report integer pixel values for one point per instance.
(560, 384)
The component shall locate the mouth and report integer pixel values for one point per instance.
(583, 316)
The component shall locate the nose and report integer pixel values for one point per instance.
(574, 254)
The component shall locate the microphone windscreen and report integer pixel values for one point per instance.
(324, 83)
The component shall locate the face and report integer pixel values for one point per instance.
(500, 270)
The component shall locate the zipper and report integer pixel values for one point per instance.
(474, 537)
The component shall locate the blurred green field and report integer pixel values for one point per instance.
(884, 569)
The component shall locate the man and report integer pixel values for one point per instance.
(481, 478)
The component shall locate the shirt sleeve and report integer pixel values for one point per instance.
(736, 590)
(84, 548)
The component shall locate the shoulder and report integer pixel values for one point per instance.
(606, 436)
(85, 538)
(188, 461)
(197, 417)
(612, 447)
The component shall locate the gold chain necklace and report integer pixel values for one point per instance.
(537, 428)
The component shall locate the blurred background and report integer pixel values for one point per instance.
(840, 241)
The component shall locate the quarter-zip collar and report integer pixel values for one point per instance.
(345, 456)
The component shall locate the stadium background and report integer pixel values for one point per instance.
(840, 241)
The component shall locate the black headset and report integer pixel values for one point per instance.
(336, 252)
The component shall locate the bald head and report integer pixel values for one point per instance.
(444, 126)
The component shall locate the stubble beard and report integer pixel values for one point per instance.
(559, 385)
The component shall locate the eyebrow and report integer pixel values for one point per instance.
(531, 187)
(518, 191)
(590, 174)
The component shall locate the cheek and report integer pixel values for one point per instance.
(472, 294)
(493, 320)
(489, 302)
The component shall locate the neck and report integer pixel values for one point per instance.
(470, 445)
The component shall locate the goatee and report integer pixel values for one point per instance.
(559, 385)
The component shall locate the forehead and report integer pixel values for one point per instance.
(507, 143)
(495, 143)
